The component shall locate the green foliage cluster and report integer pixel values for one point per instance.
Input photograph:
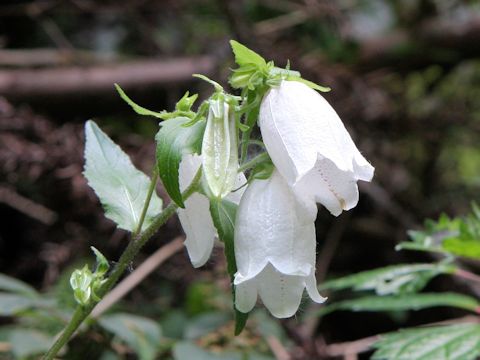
(172, 334)
(399, 288)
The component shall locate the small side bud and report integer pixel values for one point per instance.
(81, 281)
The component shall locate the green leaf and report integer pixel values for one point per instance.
(244, 56)
(173, 141)
(458, 236)
(141, 334)
(223, 214)
(404, 302)
(462, 247)
(391, 279)
(11, 304)
(27, 342)
(12, 285)
(205, 323)
(188, 351)
(121, 188)
(451, 342)
(140, 110)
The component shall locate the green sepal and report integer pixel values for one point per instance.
(200, 115)
(186, 102)
(102, 263)
(140, 110)
(309, 83)
(182, 108)
(173, 141)
(244, 56)
(216, 85)
(284, 73)
(242, 127)
(223, 214)
(262, 171)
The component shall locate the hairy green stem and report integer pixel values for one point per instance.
(82, 312)
(153, 183)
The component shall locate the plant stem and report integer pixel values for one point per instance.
(82, 312)
(256, 160)
(153, 183)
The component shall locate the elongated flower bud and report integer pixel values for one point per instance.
(219, 149)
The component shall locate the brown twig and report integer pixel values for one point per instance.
(49, 57)
(100, 78)
(383, 199)
(27, 206)
(278, 349)
(332, 240)
(464, 274)
(349, 348)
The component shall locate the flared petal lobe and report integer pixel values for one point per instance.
(310, 146)
(274, 247)
(195, 217)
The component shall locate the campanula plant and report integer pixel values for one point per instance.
(262, 207)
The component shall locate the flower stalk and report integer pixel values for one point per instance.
(81, 313)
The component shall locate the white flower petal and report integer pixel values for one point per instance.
(188, 168)
(312, 290)
(195, 218)
(281, 294)
(362, 168)
(199, 229)
(272, 226)
(246, 296)
(335, 189)
(236, 196)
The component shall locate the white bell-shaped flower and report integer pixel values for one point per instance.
(195, 217)
(310, 146)
(274, 248)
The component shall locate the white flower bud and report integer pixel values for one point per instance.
(220, 149)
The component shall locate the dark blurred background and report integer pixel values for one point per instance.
(405, 79)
